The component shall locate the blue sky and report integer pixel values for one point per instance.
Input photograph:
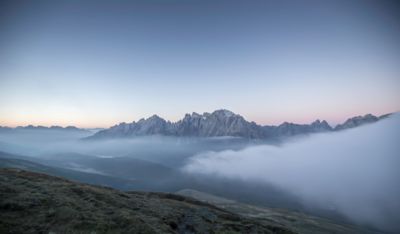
(98, 63)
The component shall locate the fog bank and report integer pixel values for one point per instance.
(170, 151)
(355, 172)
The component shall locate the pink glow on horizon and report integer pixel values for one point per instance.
(262, 119)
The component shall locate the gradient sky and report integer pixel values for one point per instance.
(98, 63)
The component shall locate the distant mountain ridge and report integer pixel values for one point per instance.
(39, 127)
(359, 120)
(222, 123)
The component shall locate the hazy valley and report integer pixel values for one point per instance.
(222, 165)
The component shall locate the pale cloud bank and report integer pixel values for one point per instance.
(355, 172)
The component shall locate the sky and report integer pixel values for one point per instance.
(98, 63)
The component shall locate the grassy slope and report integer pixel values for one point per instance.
(38, 203)
(298, 222)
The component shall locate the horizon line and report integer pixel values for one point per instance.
(77, 126)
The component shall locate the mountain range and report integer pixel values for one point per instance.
(39, 127)
(223, 123)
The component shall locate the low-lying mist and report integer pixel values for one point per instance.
(354, 172)
(161, 149)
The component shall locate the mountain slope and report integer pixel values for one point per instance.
(298, 222)
(121, 173)
(38, 203)
(91, 178)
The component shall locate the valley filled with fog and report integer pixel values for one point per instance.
(350, 176)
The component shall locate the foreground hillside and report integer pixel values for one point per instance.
(37, 203)
(298, 222)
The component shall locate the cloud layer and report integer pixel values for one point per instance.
(355, 172)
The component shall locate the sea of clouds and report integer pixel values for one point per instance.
(355, 172)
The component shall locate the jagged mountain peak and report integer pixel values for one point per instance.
(152, 119)
(320, 123)
(193, 115)
(357, 121)
(219, 113)
(155, 117)
(196, 115)
(316, 122)
(223, 112)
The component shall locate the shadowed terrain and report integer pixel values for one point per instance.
(37, 203)
(297, 221)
